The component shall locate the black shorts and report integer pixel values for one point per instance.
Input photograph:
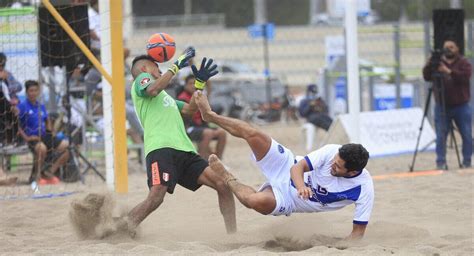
(48, 140)
(167, 166)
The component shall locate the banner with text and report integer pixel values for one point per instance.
(391, 131)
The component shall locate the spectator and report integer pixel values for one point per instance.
(8, 132)
(95, 28)
(36, 130)
(9, 81)
(8, 120)
(455, 71)
(314, 109)
(79, 87)
(288, 106)
(94, 25)
(198, 130)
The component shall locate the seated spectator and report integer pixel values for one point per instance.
(8, 120)
(314, 109)
(83, 83)
(8, 82)
(36, 130)
(8, 132)
(200, 131)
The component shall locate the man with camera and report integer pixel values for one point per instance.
(315, 109)
(450, 73)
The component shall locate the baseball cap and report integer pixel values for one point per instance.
(312, 88)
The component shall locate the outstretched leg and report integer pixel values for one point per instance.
(258, 141)
(263, 202)
(212, 179)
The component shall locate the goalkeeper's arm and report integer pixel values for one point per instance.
(161, 83)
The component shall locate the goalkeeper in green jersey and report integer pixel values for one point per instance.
(170, 155)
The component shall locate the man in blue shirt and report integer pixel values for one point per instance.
(35, 129)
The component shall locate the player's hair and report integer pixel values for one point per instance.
(355, 156)
(189, 77)
(136, 69)
(31, 83)
(450, 38)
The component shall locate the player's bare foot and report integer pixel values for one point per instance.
(123, 224)
(216, 165)
(203, 105)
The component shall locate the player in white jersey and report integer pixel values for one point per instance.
(324, 180)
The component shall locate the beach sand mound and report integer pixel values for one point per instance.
(92, 217)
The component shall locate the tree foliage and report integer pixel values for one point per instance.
(290, 12)
(390, 10)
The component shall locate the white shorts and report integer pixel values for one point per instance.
(276, 167)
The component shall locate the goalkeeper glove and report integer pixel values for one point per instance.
(183, 60)
(205, 72)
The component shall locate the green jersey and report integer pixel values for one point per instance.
(160, 117)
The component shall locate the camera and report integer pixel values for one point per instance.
(436, 58)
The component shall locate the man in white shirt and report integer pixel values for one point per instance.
(95, 29)
(94, 24)
(324, 180)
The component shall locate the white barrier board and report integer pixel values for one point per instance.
(391, 131)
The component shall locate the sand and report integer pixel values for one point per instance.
(425, 215)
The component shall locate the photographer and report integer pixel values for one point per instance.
(314, 109)
(454, 71)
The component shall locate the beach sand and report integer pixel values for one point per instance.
(423, 215)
